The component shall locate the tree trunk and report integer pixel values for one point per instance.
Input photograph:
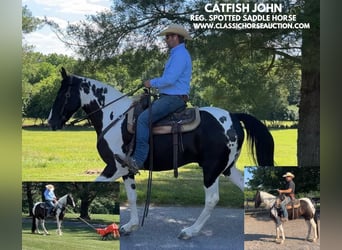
(308, 151)
(29, 197)
(84, 209)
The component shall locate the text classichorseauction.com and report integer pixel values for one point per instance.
(247, 16)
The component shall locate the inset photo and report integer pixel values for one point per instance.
(70, 215)
(282, 207)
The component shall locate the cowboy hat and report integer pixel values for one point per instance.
(288, 174)
(50, 187)
(176, 29)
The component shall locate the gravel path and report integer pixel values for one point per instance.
(260, 234)
(223, 230)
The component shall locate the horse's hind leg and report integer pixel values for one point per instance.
(236, 177)
(211, 199)
(36, 220)
(133, 223)
(311, 224)
(42, 222)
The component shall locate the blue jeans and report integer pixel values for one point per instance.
(283, 206)
(161, 108)
(50, 205)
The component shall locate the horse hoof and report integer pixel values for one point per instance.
(123, 231)
(184, 236)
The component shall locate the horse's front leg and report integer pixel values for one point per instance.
(211, 199)
(131, 192)
(280, 229)
(59, 223)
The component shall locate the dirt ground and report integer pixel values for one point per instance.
(260, 233)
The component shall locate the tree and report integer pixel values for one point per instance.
(29, 23)
(269, 179)
(309, 108)
(88, 191)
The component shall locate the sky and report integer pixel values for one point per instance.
(62, 12)
(247, 176)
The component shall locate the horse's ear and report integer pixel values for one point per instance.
(64, 73)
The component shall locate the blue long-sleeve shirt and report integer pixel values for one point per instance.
(177, 73)
(49, 195)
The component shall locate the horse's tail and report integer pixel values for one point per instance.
(316, 221)
(33, 228)
(260, 139)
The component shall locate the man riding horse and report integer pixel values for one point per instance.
(174, 89)
(50, 199)
(289, 192)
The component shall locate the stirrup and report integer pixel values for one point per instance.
(128, 162)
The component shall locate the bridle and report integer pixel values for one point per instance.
(67, 97)
(85, 117)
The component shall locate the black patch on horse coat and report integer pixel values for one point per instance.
(85, 85)
(96, 117)
(231, 134)
(108, 157)
(100, 94)
(223, 119)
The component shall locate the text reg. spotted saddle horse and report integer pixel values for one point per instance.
(184, 120)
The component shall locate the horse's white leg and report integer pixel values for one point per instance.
(277, 233)
(37, 224)
(280, 229)
(211, 199)
(309, 229)
(59, 222)
(312, 224)
(236, 177)
(133, 223)
(42, 222)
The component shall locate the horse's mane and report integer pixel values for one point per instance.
(267, 195)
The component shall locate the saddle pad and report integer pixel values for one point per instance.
(43, 205)
(188, 119)
(295, 203)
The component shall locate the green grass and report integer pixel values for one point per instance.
(66, 155)
(76, 235)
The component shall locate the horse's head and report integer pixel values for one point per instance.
(67, 101)
(257, 199)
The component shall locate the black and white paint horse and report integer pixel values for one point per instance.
(215, 144)
(39, 213)
(306, 210)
